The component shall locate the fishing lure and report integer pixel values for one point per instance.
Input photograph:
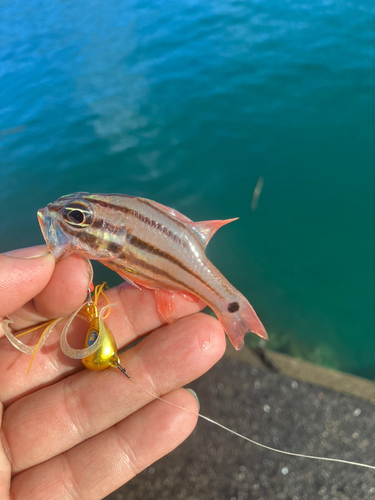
(105, 355)
(152, 246)
(100, 350)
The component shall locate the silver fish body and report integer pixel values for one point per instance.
(152, 246)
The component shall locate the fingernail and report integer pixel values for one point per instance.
(195, 396)
(29, 253)
(91, 272)
(47, 252)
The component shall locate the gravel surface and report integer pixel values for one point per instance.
(279, 412)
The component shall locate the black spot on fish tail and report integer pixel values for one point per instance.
(233, 307)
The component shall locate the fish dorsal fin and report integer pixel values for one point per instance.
(172, 211)
(206, 229)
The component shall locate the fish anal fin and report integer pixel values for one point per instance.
(206, 229)
(166, 305)
(129, 280)
(189, 297)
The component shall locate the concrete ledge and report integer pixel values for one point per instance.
(300, 408)
(308, 372)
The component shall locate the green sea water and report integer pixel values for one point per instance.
(189, 103)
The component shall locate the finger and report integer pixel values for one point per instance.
(5, 467)
(87, 403)
(135, 315)
(63, 294)
(21, 279)
(28, 252)
(67, 289)
(113, 457)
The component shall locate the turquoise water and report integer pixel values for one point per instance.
(189, 103)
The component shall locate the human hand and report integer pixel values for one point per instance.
(70, 433)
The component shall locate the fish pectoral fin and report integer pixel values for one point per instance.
(126, 278)
(189, 297)
(166, 305)
(206, 229)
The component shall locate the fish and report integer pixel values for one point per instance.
(153, 246)
(256, 193)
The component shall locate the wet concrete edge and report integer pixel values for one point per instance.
(306, 372)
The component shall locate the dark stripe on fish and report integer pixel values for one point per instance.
(184, 225)
(90, 239)
(143, 245)
(94, 242)
(115, 248)
(161, 272)
(107, 226)
(97, 243)
(144, 218)
(164, 212)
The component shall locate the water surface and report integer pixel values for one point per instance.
(188, 103)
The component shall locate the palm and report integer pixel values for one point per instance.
(69, 432)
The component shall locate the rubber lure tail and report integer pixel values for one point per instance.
(100, 350)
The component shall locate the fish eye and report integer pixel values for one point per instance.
(78, 214)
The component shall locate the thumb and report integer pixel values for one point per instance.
(23, 276)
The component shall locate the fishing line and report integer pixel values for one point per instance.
(231, 431)
(111, 359)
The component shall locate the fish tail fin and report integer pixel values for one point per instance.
(238, 318)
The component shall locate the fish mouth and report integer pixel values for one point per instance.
(57, 242)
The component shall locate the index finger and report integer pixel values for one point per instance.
(33, 288)
(134, 316)
(21, 279)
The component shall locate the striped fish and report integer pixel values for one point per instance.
(149, 245)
